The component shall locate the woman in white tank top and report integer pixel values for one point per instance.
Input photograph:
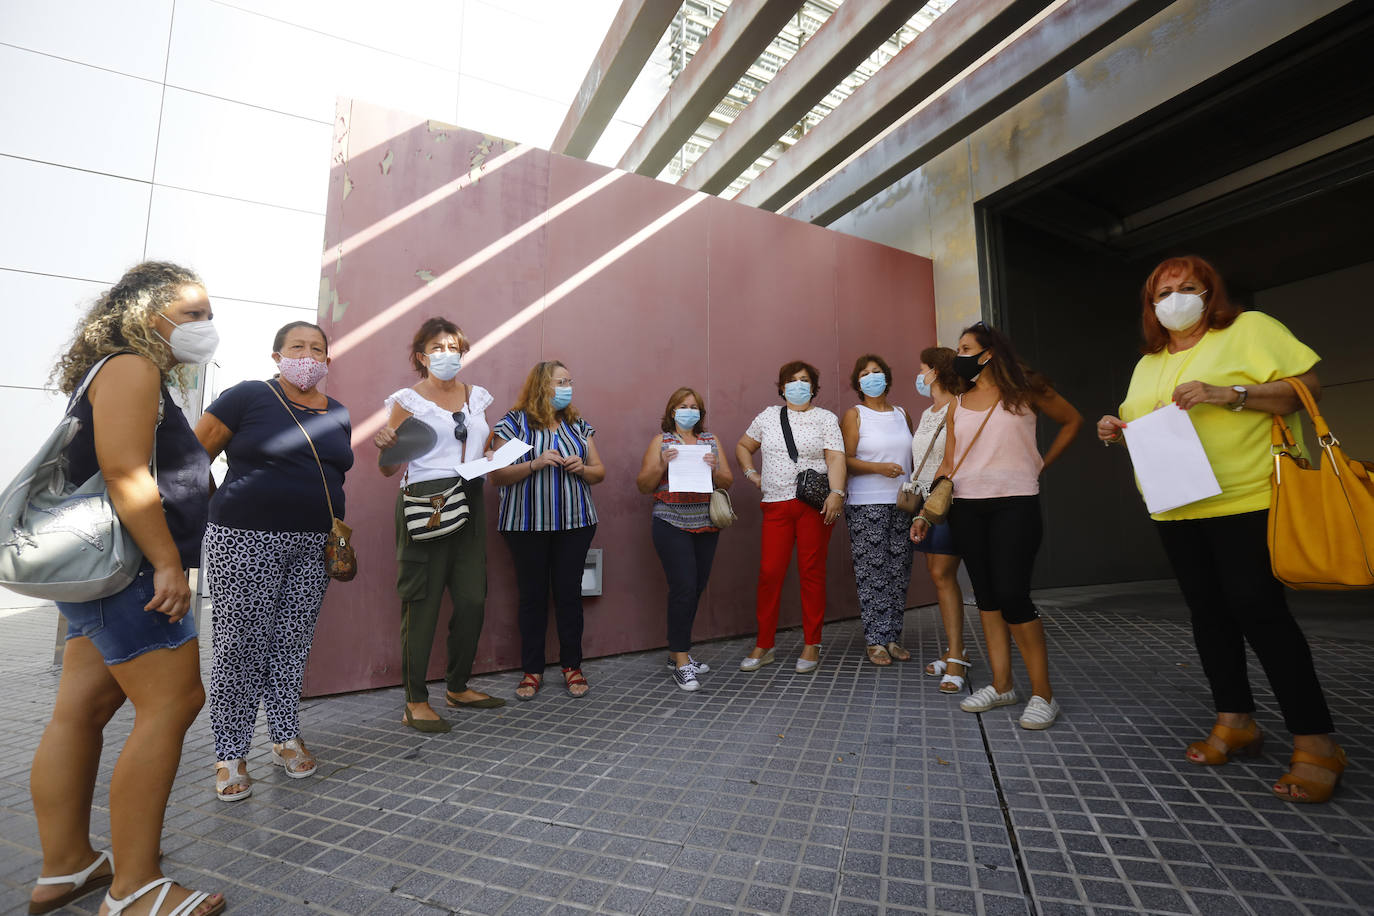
(995, 465)
(877, 447)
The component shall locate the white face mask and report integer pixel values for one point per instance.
(193, 342)
(1179, 311)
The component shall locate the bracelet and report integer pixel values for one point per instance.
(839, 493)
(750, 470)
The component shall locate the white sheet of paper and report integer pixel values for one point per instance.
(1170, 463)
(504, 457)
(688, 473)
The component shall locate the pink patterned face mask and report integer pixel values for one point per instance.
(304, 372)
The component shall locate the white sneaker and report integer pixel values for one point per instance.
(701, 667)
(987, 697)
(1040, 714)
(754, 664)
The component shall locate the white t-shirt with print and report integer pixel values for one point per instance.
(813, 430)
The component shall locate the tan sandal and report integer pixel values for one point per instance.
(1316, 792)
(878, 656)
(1240, 742)
(898, 653)
(232, 773)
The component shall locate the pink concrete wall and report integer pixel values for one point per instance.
(639, 287)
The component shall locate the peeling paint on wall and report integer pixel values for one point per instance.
(347, 186)
(385, 164)
(426, 275)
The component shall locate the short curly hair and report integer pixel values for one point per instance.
(862, 363)
(790, 369)
(433, 327)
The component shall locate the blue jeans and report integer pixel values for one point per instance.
(120, 628)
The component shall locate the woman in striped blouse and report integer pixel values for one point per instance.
(548, 518)
(682, 531)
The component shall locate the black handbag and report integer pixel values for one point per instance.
(812, 486)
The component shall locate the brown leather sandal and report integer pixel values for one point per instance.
(1240, 742)
(577, 684)
(1317, 792)
(879, 656)
(529, 685)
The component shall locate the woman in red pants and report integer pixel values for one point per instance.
(787, 520)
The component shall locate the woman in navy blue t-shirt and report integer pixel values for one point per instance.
(264, 549)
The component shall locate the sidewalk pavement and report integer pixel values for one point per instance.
(853, 790)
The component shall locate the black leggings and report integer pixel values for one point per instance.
(1222, 566)
(686, 559)
(998, 539)
(543, 558)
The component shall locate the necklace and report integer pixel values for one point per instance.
(1161, 394)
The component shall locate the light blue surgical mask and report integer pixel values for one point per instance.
(562, 396)
(445, 366)
(686, 417)
(923, 387)
(797, 393)
(873, 384)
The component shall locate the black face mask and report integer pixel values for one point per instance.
(968, 367)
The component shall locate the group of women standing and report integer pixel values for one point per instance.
(261, 537)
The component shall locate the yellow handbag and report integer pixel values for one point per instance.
(1321, 520)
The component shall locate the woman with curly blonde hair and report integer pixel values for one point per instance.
(138, 644)
(548, 518)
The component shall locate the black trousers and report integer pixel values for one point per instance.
(545, 559)
(1222, 566)
(998, 539)
(686, 559)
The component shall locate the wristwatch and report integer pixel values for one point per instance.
(1244, 393)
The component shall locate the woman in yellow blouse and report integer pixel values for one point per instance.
(1225, 367)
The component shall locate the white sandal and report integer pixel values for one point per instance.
(289, 755)
(82, 884)
(232, 773)
(187, 906)
(954, 683)
(937, 667)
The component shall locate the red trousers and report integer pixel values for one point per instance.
(784, 524)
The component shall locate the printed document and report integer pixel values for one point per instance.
(1169, 461)
(503, 457)
(688, 472)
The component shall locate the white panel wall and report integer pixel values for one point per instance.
(199, 131)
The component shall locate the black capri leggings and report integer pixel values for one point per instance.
(998, 539)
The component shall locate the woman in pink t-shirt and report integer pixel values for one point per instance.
(995, 464)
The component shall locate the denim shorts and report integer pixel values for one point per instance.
(120, 628)
(940, 540)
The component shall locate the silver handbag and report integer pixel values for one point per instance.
(60, 541)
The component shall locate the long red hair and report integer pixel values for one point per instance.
(1218, 310)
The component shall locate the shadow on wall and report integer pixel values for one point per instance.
(639, 287)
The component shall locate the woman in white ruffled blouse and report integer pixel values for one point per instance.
(456, 411)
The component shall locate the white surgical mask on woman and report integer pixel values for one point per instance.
(193, 342)
(445, 365)
(1179, 311)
